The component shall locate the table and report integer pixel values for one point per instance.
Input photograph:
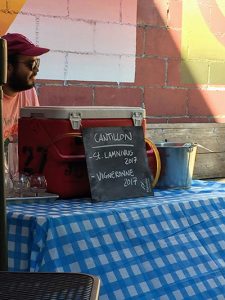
(170, 246)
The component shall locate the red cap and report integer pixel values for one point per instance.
(19, 44)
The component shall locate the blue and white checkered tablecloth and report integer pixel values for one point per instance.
(170, 246)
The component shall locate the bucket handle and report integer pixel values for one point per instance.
(158, 160)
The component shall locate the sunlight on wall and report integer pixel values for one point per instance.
(90, 40)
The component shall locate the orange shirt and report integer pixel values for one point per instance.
(11, 110)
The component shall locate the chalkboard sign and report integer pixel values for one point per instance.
(117, 163)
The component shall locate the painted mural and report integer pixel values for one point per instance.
(6, 19)
(203, 41)
(95, 40)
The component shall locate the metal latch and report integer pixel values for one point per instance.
(137, 118)
(75, 120)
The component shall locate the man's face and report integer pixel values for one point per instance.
(22, 73)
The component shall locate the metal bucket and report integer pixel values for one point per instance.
(177, 164)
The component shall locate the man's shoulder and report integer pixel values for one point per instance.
(30, 92)
(29, 97)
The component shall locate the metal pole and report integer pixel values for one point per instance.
(3, 214)
(3, 219)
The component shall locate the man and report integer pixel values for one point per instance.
(19, 91)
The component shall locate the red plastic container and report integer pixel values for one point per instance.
(50, 142)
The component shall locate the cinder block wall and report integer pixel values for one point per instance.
(173, 88)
